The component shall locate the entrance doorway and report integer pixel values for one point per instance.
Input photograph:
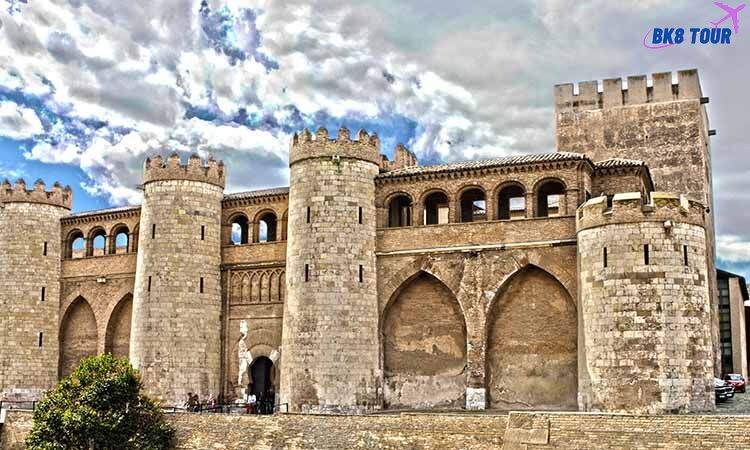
(262, 384)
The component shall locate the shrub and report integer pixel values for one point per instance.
(100, 406)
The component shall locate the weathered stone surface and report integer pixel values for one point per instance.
(30, 257)
(176, 333)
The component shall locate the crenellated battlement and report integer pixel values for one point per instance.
(57, 196)
(402, 157)
(156, 169)
(306, 145)
(637, 92)
(634, 207)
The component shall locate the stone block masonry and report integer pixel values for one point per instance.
(176, 325)
(331, 360)
(30, 257)
(515, 431)
(644, 303)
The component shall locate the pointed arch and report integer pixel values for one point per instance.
(78, 335)
(532, 333)
(424, 345)
(117, 336)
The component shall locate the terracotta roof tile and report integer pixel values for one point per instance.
(498, 162)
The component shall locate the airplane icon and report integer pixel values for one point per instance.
(732, 13)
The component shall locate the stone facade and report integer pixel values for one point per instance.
(373, 284)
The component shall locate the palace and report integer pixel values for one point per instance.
(582, 279)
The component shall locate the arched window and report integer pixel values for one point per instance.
(436, 208)
(75, 247)
(240, 229)
(120, 240)
(266, 228)
(399, 211)
(549, 198)
(511, 203)
(97, 242)
(473, 205)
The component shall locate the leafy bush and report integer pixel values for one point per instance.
(99, 406)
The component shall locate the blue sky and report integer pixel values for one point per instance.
(89, 88)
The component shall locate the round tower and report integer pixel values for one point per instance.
(330, 328)
(176, 327)
(644, 306)
(30, 253)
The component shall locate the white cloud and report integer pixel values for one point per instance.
(733, 248)
(17, 122)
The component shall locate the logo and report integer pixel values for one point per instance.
(659, 38)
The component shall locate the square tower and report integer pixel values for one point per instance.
(664, 125)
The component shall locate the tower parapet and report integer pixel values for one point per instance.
(637, 92)
(644, 305)
(30, 275)
(18, 193)
(305, 145)
(330, 315)
(157, 169)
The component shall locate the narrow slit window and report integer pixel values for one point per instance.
(604, 256)
(203, 232)
(307, 272)
(361, 273)
(153, 231)
(41, 338)
(360, 215)
(44, 251)
(685, 254)
(308, 214)
(201, 285)
(645, 254)
(149, 284)
(44, 291)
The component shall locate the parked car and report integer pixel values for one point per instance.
(736, 380)
(723, 390)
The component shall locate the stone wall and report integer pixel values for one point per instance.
(517, 431)
(30, 257)
(176, 333)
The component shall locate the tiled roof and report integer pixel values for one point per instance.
(257, 194)
(103, 211)
(487, 163)
(618, 162)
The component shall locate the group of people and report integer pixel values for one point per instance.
(260, 404)
(193, 403)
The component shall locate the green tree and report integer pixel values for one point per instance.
(99, 407)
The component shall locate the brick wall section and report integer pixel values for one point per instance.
(329, 360)
(477, 279)
(518, 431)
(531, 342)
(648, 348)
(26, 368)
(176, 329)
(575, 431)
(424, 360)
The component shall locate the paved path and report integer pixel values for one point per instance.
(740, 404)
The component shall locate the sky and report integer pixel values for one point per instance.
(90, 88)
